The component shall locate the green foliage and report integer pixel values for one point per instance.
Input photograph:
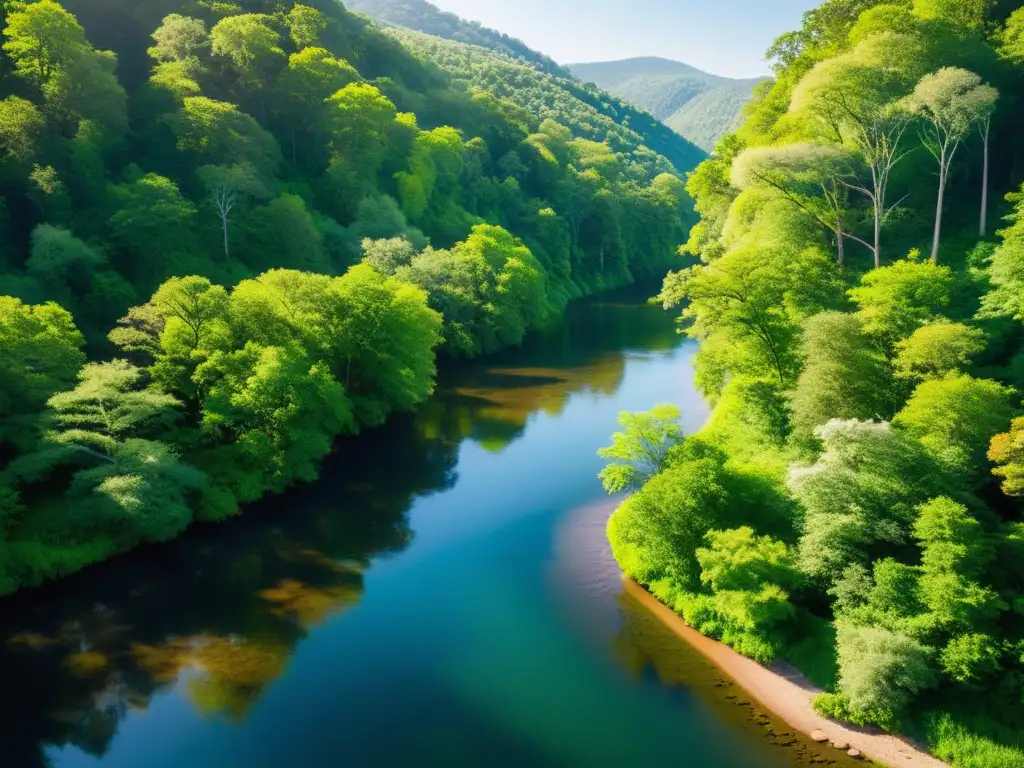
(898, 528)
(896, 300)
(955, 418)
(1007, 452)
(937, 349)
(859, 497)
(880, 672)
(40, 354)
(642, 449)
(656, 532)
(844, 377)
(273, 415)
(753, 301)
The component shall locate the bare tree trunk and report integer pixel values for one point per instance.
(983, 227)
(938, 210)
(224, 227)
(878, 232)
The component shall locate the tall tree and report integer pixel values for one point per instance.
(855, 97)
(952, 102)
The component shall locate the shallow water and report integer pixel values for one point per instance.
(444, 595)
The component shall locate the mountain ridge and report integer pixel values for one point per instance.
(563, 88)
(698, 105)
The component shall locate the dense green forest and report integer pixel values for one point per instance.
(853, 505)
(697, 105)
(489, 61)
(233, 232)
(427, 17)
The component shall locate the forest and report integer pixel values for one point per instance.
(234, 232)
(853, 506)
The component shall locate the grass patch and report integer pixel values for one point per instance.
(976, 743)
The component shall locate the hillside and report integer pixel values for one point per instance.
(697, 105)
(425, 17)
(854, 504)
(214, 224)
(527, 78)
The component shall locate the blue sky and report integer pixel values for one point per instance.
(726, 37)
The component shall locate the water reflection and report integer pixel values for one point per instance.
(644, 644)
(219, 611)
(217, 614)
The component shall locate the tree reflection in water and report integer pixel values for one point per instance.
(222, 609)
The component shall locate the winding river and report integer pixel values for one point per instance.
(443, 596)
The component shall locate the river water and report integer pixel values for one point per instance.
(443, 596)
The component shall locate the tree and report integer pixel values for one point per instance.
(305, 24)
(358, 118)
(107, 406)
(955, 554)
(153, 223)
(962, 14)
(656, 532)
(311, 76)
(228, 188)
(515, 291)
(178, 38)
(749, 577)
(388, 255)
(880, 672)
(283, 233)
(754, 299)
(955, 419)
(218, 133)
(61, 261)
(937, 349)
(855, 96)
(898, 299)
(739, 560)
(812, 176)
(859, 498)
(1011, 37)
(40, 354)
(250, 42)
(1006, 270)
(137, 484)
(20, 127)
(273, 413)
(42, 37)
(642, 449)
(1006, 451)
(952, 102)
(194, 313)
(844, 377)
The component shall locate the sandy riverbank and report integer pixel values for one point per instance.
(786, 693)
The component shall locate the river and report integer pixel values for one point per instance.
(443, 596)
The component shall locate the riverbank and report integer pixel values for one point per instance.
(785, 692)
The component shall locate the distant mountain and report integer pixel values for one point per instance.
(508, 68)
(697, 105)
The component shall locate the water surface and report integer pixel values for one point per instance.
(444, 595)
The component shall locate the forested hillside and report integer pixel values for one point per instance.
(697, 105)
(233, 232)
(426, 17)
(854, 503)
(492, 62)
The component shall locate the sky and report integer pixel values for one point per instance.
(725, 37)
